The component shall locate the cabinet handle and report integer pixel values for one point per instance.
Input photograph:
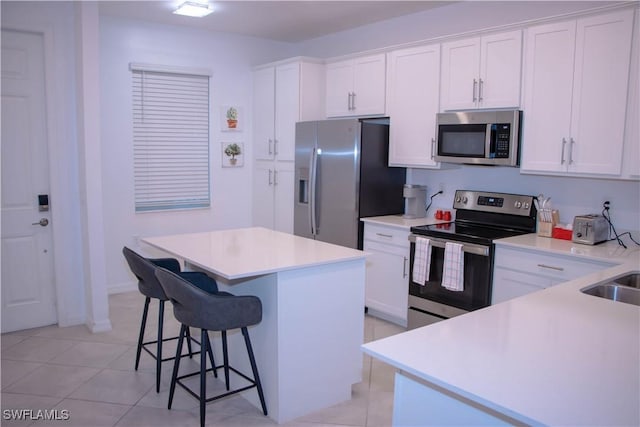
(353, 100)
(433, 148)
(349, 102)
(404, 267)
(475, 85)
(571, 142)
(275, 177)
(389, 236)
(270, 142)
(480, 90)
(275, 147)
(564, 143)
(550, 267)
(270, 180)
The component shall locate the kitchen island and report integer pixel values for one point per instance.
(307, 346)
(553, 357)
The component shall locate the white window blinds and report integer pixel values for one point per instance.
(170, 139)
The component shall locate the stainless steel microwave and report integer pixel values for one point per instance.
(489, 137)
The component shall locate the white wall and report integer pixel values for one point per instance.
(230, 59)
(571, 196)
(452, 19)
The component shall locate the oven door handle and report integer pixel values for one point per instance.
(466, 247)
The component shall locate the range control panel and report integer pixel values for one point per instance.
(505, 203)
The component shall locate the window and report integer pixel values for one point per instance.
(170, 138)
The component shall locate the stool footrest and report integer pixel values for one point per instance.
(252, 384)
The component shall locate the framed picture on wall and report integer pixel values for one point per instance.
(231, 118)
(232, 154)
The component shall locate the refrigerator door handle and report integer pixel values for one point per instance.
(313, 163)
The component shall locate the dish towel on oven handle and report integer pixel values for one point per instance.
(453, 269)
(421, 260)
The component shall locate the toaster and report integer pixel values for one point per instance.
(590, 229)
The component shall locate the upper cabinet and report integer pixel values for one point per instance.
(575, 95)
(413, 83)
(283, 95)
(356, 87)
(631, 154)
(482, 72)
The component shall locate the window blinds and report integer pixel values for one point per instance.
(170, 140)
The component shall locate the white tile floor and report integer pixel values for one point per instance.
(92, 377)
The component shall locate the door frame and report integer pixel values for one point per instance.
(68, 262)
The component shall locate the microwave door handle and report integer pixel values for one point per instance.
(487, 142)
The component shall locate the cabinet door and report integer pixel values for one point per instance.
(369, 85)
(500, 70)
(603, 50)
(386, 284)
(460, 70)
(283, 185)
(630, 163)
(287, 110)
(339, 87)
(548, 77)
(263, 204)
(414, 80)
(263, 112)
(508, 284)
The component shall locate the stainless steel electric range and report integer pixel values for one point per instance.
(481, 218)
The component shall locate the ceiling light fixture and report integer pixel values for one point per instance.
(196, 9)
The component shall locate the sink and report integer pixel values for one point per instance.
(631, 280)
(623, 289)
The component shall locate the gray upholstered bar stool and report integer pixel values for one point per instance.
(211, 312)
(148, 285)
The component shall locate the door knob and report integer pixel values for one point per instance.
(43, 222)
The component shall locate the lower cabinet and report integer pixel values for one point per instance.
(387, 273)
(518, 272)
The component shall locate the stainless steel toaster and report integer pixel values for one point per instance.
(590, 229)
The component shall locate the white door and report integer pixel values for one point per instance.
(369, 82)
(28, 289)
(263, 113)
(500, 70)
(339, 86)
(287, 110)
(460, 70)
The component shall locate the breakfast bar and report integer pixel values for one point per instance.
(307, 346)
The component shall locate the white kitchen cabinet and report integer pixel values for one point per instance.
(631, 152)
(273, 189)
(518, 272)
(575, 95)
(387, 282)
(482, 72)
(356, 87)
(413, 83)
(283, 94)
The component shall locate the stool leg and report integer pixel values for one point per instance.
(143, 325)
(159, 348)
(203, 377)
(225, 356)
(210, 351)
(176, 366)
(256, 377)
(189, 344)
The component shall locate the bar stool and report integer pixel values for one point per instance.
(211, 312)
(144, 268)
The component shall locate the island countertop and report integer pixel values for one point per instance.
(553, 357)
(246, 252)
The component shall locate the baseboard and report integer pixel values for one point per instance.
(100, 326)
(388, 317)
(123, 287)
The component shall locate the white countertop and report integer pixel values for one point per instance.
(247, 252)
(556, 357)
(609, 251)
(398, 221)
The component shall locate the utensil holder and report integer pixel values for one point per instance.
(547, 219)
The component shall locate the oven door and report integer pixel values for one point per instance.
(478, 267)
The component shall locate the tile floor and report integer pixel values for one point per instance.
(92, 377)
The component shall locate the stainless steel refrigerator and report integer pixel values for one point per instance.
(341, 176)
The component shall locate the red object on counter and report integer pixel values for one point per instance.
(561, 233)
(446, 216)
(438, 214)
